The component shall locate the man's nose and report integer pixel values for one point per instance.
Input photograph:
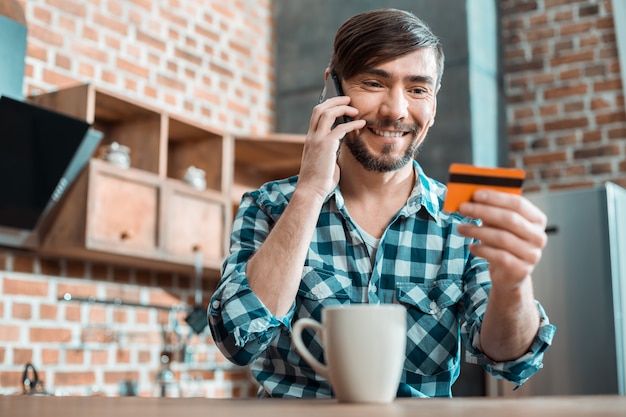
(395, 105)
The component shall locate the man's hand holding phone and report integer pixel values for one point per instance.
(332, 88)
(330, 121)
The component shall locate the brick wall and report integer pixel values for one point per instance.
(209, 59)
(87, 348)
(565, 106)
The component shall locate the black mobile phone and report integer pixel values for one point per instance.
(332, 88)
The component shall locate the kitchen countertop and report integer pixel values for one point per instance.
(41, 406)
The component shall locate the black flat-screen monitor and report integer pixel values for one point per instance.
(41, 153)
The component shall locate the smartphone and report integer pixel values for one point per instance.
(332, 88)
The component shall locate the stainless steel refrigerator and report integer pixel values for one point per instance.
(581, 282)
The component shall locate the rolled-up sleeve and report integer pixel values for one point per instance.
(517, 371)
(241, 326)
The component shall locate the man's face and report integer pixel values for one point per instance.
(398, 101)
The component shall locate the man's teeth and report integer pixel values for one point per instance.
(388, 134)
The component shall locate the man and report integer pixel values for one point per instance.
(362, 223)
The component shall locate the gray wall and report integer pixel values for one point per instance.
(304, 32)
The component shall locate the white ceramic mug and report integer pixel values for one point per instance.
(364, 347)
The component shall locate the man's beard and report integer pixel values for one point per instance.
(385, 162)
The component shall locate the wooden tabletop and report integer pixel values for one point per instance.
(39, 406)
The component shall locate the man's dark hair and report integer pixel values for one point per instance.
(377, 36)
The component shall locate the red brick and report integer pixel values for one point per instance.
(544, 158)
(550, 173)
(74, 356)
(97, 314)
(600, 103)
(39, 334)
(600, 168)
(566, 124)
(617, 133)
(566, 91)
(59, 79)
(576, 57)
(11, 379)
(9, 333)
(609, 85)
(575, 28)
(37, 52)
(71, 312)
(74, 378)
(567, 140)
(573, 107)
(110, 23)
(113, 377)
(72, 7)
(48, 312)
(16, 286)
(598, 151)
(77, 289)
(590, 137)
(122, 356)
(99, 357)
(575, 170)
(50, 356)
(132, 68)
(41, 14)
(21, 311)
(22, 356)
(549, 110)
(44, 34)
(614, 117)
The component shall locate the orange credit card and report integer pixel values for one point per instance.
(464, 179)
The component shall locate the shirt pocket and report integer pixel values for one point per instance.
(321, 287)
(432, 325)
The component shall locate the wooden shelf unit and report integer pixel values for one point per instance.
(259, 159)
(146, 215)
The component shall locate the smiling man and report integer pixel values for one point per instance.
(362, 223)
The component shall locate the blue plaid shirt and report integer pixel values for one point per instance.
(421, 263)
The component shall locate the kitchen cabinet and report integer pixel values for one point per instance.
(144, 214)
(259, 159)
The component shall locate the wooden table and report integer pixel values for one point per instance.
(39, 406)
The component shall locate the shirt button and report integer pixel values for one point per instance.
(315, 291)
(433, 307)
(216, 304)
(373, 288)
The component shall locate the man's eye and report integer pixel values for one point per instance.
(418, 91)
(372, 84)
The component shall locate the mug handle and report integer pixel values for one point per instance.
(298, 327)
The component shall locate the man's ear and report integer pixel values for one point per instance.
(326, 74)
